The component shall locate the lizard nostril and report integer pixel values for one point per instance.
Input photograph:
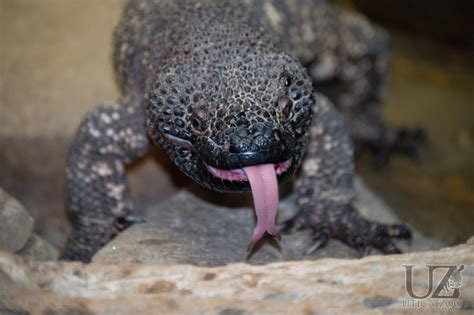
(285, 104)
(199, 118)
(277, 134)
(233, 149)
(226, 146)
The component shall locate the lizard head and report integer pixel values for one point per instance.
(215, 122)
(236, 125)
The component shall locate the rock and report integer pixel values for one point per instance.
(38, 249)
(361, 286)
(36, 127)
(16, 232)
(470, 240)
(195, 228)
(16, 224)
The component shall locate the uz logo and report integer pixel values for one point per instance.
(448, 287)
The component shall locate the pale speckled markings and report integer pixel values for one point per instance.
(224, 83)
(325, 190)
(96, 187)
(272, 13)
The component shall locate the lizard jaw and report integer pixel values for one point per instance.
(239, 174)
(263, 180)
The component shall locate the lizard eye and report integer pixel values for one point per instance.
(285, 79)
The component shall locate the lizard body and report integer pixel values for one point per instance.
(230, 90)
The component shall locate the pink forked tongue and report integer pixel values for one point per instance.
(263, 181)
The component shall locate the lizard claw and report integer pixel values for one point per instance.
(125, 222)
(406, 142)
(320, 241)
(296, 223)
(349, 227)
(134, 219)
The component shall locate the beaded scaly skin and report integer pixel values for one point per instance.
(222, 85)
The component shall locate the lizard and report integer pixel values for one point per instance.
(236, 94)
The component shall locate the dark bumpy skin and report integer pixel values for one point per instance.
(216, 85)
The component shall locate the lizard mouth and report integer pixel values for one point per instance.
(263, 180)
(240, 175)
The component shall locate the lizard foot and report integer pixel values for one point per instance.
(405, 142)
(88, 238)
(345, 224)
(125, 222)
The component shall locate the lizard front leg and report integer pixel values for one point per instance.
(97, 192)
(325, 190)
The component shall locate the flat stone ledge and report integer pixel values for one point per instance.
(369, 285)
(188, 228)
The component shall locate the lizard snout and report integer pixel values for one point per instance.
(245, 146)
